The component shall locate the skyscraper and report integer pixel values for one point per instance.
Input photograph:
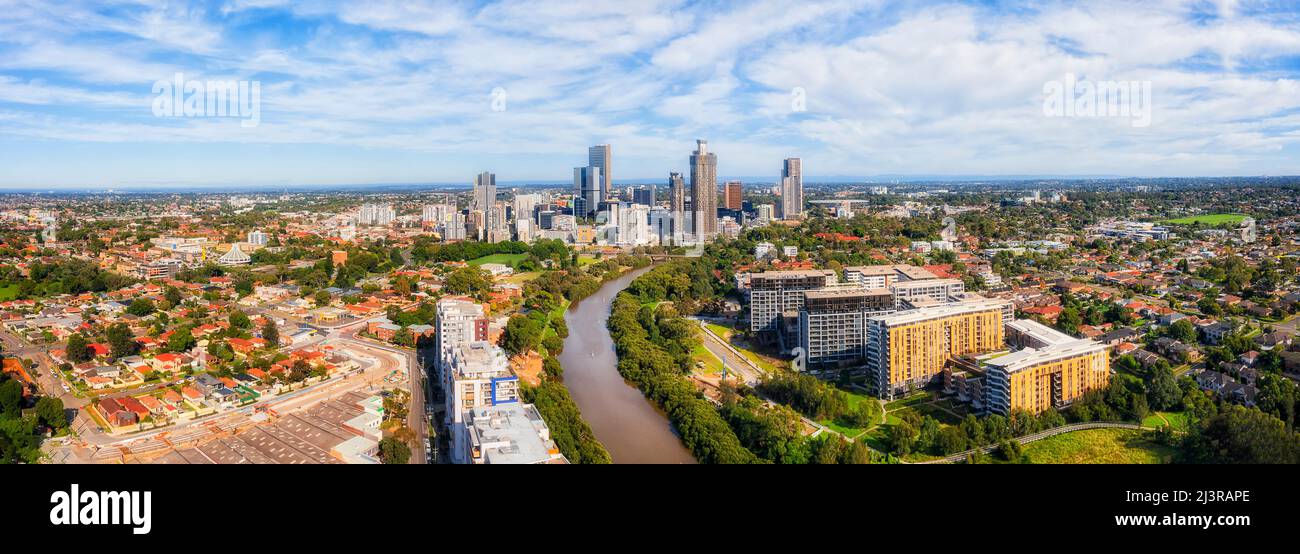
(586, 191)
(601, 156)
(485, 191)
(676, 193)
(792, 188)
(732, 195)
(704, 191)
(644, 195)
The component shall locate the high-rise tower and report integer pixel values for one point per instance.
(704, 191)
(603, 157)
(792, 188)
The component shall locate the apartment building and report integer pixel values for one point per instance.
(1050, 370)
(910, 293)
(458, 321)
(508, 434)
(884, 276)
(477, 376)
(908, 349)
(833, 322)
(774, 293)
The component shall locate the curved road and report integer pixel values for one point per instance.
(630, 427)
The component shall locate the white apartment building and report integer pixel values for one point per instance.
(458, 321)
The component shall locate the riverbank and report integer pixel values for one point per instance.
(630, 427)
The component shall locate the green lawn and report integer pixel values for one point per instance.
(521, 278)
(1208, 219)
(8, 293)
(712, 365)
(911, 400)
(586, 260)
(1177, 420)
(855, 399)
(507, 259)
(719, 330)
(1099, 446)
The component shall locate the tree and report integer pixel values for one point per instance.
(173, 296)
(1183, 330)
(1162, 388)
(523, 333)
(78, 350)
(951, 440)
(141, 307)
(11, 398)
(323, 298)
(50, 411)
(1241, 435)
(1069, 320)
(468, 280)
(271, 334)
(120, 340)
(181, 340)
(393, 451)
(902, 437)
(240, 320)
(1011, 450)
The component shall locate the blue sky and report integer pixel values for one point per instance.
(388, 92)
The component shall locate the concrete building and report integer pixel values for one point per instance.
(644, 195)
(166, 268)
(587, 184)
(457, 321)
(508, 434)
(376, 214)
(907, 350)
(602, 156)
(704, 191)
(476, 376)
(733, 195)
(773, 294)
(257, 238)
(884, 276)
(1051, 369)
(911, 293)
(833, 322)
(791, 188)
(485, 191)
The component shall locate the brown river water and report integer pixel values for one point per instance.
(630, 427)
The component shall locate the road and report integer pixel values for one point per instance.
(735, 362)
(417, 419)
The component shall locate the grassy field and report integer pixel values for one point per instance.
(507, 259)
(1208, 219)
(856, 398)
(719, 330)
(1099, 446)
(1177, 420)
(712, 365)
(521, 278)
(8, 293)
(586, 260)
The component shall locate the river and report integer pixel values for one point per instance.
(630, 427)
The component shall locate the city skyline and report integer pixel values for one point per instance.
(434, 93)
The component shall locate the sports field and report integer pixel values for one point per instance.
(1208, 219)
